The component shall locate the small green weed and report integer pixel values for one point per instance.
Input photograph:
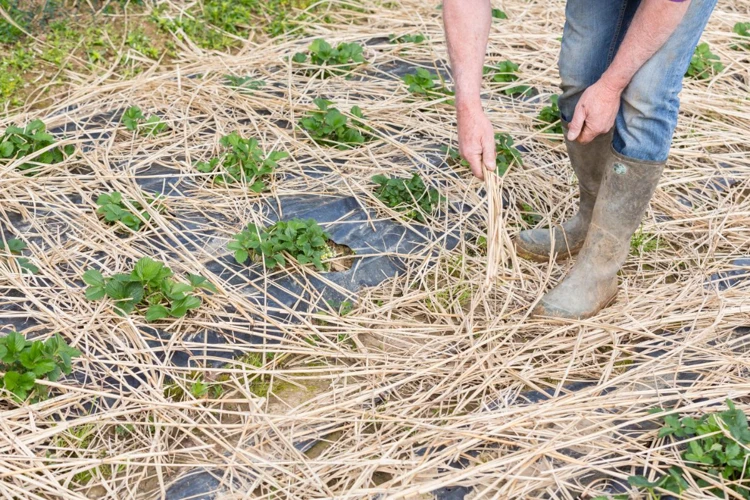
(130, 213)
(23, 362)
(499, 14)
(407, 38)
(329, 126)
(303, 240)
(717, 447)
(426, 84)
(135, 121)
(243, 161)
(243, 84)
(330, 61)
(507, 72)
(742, 30)
(150, 286)
(13, 249)
(408, 196)
(704, 63)
(26, 142)
(642, 242)
(549, 117)
(185, 26)
(529, 215)
(138, 41)
(196, 387)
(8, 32)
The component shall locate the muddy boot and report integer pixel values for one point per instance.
(591, 284)
(587, 161)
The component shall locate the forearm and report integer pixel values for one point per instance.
(467, 28)
(653, 24)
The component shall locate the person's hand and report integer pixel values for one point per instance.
(476, 140)
(595, 112)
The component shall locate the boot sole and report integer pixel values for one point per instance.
(607, 303)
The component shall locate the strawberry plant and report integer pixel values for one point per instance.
(506, 72)
(243, 84)
(242, 161)
(13, 249)
(131, 213)
(499, 14)
(150, 288)
(329, 126)
(742, 30)
(23, 362)
(25, 142)
(135, 121)
(423, 83)
(506, 155)
(408, 196)
(716, 447)
(549, 117)
(704, 63)
(331, 60)
(407, 38)
(302, 240)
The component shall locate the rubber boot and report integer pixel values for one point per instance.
(588, 162)
(591, 284)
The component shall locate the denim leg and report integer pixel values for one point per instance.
(592, 32)
(650, 103)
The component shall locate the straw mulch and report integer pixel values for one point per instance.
(437, 364)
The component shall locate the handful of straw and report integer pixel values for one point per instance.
(497, 237)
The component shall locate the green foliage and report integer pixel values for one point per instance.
(499, 14)
(506, 155)
(549, 117)
(529, 215)
(130, 213)
(642, 242)
(507, 72)
(23, 362)
(704, 63)
(408, 196)
(201, 33)
(8, 32)
(329, 126)
(427, 84)
(135, 121)
(149, 287)
(407, 38)
(303, 240)
(26, 142)
(717, 446)
(13, 249)
(243, 84)
(329, 60)
(242, 161)
(138, 41)
(742, 30)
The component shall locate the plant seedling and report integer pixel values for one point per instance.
(151, 287)
(13, 249)
(704, 63)
(499, 14)
(135, 121)
(243, 84)
(549, 117)
(23, 362)
(407, 38)
(506, 155)
(742, 30)
(331, 61)
(716, 447)
(408, 196)
(303, 240)
(242, 161)
(329, 126)
(507, 72)
(427, 84)
(130, 213)
(25, 142)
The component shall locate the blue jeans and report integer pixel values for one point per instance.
(648, 112)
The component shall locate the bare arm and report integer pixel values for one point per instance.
(653, 24)
(467, 27)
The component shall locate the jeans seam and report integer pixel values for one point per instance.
(618, 29)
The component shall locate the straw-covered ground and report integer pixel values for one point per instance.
(418, 383)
